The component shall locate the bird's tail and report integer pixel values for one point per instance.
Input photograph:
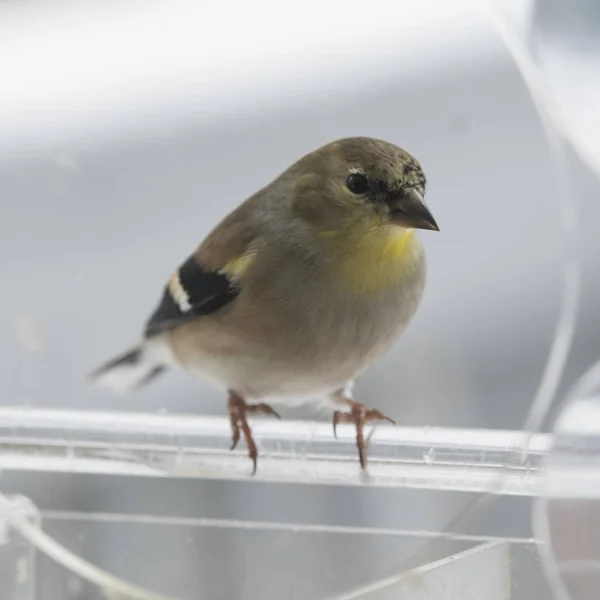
(131, 370)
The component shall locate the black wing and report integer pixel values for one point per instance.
(192, 291)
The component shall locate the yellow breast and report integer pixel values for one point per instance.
(378, 258)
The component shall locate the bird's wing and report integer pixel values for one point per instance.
(211, 277)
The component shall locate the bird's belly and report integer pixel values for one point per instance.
(257, 378)
(294, 352)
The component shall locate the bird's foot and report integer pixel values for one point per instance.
(360, 415)
(238, 411)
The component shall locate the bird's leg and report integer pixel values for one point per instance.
(238, 411)
(360, 415)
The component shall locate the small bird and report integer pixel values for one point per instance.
(298, 290)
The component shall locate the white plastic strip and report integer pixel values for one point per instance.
(35, 536)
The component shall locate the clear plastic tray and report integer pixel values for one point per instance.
(181, 554)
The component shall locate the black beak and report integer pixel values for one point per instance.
(411, 211)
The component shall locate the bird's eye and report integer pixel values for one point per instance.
(357, 183)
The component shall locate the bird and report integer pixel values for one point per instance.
(297, 291)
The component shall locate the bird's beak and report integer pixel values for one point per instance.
(411, 211)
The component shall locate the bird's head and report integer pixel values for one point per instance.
(356, 182)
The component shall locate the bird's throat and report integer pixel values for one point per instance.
(379, 258)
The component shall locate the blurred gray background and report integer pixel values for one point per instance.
(95, 216)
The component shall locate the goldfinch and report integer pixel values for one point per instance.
(298, 290)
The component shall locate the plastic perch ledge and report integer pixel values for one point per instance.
(162, 445)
